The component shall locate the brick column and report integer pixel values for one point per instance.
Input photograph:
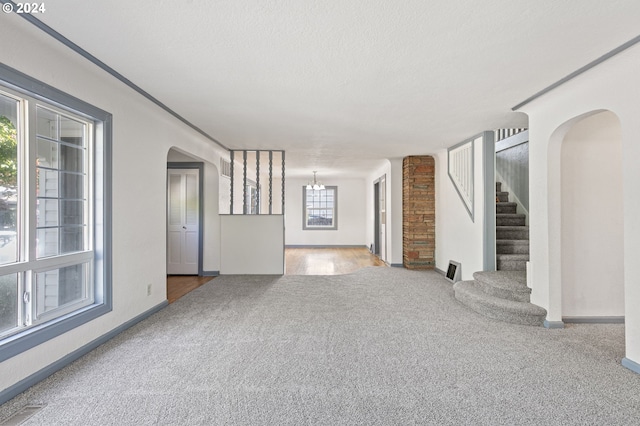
(418, 212)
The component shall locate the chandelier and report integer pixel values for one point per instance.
(315, 185)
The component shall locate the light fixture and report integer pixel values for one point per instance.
(315, 185)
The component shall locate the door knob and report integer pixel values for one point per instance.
(184, 227)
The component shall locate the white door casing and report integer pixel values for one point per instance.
(183, 227)
(383, 217)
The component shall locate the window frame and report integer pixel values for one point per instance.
(29, 90)
(305, 225)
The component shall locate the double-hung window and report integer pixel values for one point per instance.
(54, 200)
(320, 208)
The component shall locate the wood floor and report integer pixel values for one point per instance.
(328, 261)
(299, 261)
(179, 285)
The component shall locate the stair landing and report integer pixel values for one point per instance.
(500, 295)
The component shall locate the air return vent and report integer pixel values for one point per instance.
(225, 167)
(21, 416)
(453, 271)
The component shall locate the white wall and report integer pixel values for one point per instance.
(613, 85)
(459, 238)
(592, 218)
(142, 137)
(352, 211)
(253, 244)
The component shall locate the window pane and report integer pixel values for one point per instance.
(317, 217)
(8, 179)
(47, 214)
(71, 131)
(47, 183)
(47, 122)
(59, 287)
(47, 242)
(55, 241)
(72, 212)
(8, 302)
(71, 158)
(47, 153)
(72, 239)
(71, 185)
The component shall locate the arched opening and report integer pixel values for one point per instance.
(193, 223)
(591, 219)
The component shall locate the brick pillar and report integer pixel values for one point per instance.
(418, 212)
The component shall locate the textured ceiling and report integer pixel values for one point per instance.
(342, 84)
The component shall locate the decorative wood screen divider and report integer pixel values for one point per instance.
(250, 171)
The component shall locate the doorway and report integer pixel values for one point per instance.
(592, 218)
(184, 218)
(380, 217)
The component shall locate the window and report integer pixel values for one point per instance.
(320, 208)
(252, 204)
(54, 200)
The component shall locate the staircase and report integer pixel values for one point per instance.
(512, 235)
(503, 294)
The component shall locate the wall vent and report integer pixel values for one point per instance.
(225, 168)
(22, 415)
(453, 271)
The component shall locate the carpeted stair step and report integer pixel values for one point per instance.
(512, 246)
(506, 208)
(512, 232)
(510, 285)
(472, 296)
(498, 186)
(503, 197)
(510, 219)
(512, 262)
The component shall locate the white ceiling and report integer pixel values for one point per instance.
(342, 84)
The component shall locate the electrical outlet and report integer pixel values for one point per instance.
(148, 289)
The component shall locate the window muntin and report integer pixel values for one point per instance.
(62, 182)
(320, 208)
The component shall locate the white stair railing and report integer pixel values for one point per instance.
(461, 172)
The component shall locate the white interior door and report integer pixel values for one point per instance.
(183, 221)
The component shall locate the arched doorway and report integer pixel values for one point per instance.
(591, 219)
(193, 182)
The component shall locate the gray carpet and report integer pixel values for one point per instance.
(381, 346)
